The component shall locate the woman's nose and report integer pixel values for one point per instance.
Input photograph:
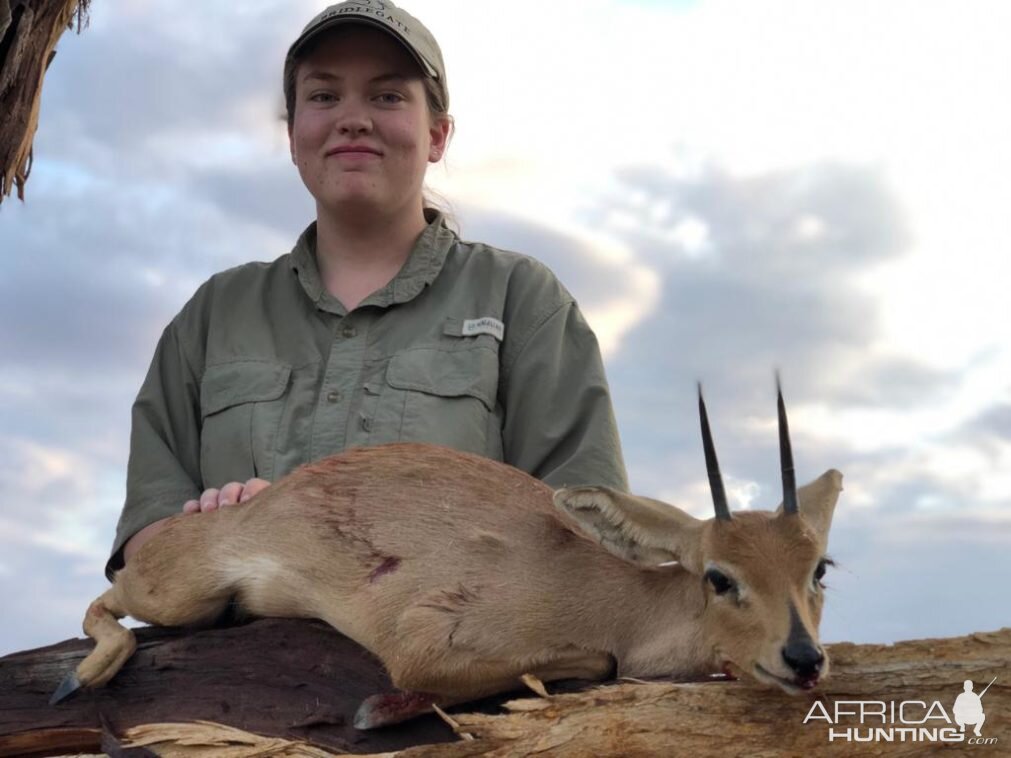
(353, 120)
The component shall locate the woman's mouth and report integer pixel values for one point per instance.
(354, 151)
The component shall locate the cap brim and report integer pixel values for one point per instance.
(426, 67)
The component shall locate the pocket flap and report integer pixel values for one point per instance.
(447, 373)
(228, 384)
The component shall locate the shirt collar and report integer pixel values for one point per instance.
(419, 270)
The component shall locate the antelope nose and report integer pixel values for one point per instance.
(804, 659)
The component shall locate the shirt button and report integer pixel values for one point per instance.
(349, 332)
(334, 397)
(366, 424)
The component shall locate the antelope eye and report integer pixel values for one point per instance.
(819, 572)
(721, 582)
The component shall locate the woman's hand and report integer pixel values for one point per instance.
(230, 494)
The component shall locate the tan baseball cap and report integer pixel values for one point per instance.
(382, 14)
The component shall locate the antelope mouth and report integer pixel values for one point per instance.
(794, 686)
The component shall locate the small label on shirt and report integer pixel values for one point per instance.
(486, 325)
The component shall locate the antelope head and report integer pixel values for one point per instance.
(760, 571)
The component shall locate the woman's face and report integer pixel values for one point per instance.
(362, 135)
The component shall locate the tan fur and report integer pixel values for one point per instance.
(462, 574)
(774, 556)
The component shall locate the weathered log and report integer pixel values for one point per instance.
(283, 677)
(741, 718)
(302, 680)
(28, 35)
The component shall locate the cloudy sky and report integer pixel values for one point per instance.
(726, 186)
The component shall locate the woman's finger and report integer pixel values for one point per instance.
(230, 493)
(209, 500)
(191, 506)
(252, 487)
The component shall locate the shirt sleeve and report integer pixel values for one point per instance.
(559, 423)
(164, 466)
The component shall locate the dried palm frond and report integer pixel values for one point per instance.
(28, 36)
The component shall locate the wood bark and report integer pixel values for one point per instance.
(745, 719)
(301, 681)
(29, 30)
(288, 678)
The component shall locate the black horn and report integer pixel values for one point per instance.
(786, 455)
(713, 465)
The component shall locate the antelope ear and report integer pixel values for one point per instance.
(638, 530)
(817, 501)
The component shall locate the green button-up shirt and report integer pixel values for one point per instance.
(468, 346)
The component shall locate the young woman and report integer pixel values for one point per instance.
(381, 325)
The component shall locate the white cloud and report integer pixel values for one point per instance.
(909, 87)
(57, 499)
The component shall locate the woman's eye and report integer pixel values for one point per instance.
(721, 582)
(321, 97)
(390, 98)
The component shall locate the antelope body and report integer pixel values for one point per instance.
(462, 574)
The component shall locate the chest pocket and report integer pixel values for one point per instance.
(241, 404)
(445, 397)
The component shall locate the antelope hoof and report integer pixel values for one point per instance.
(68, 687)
(391, 708)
